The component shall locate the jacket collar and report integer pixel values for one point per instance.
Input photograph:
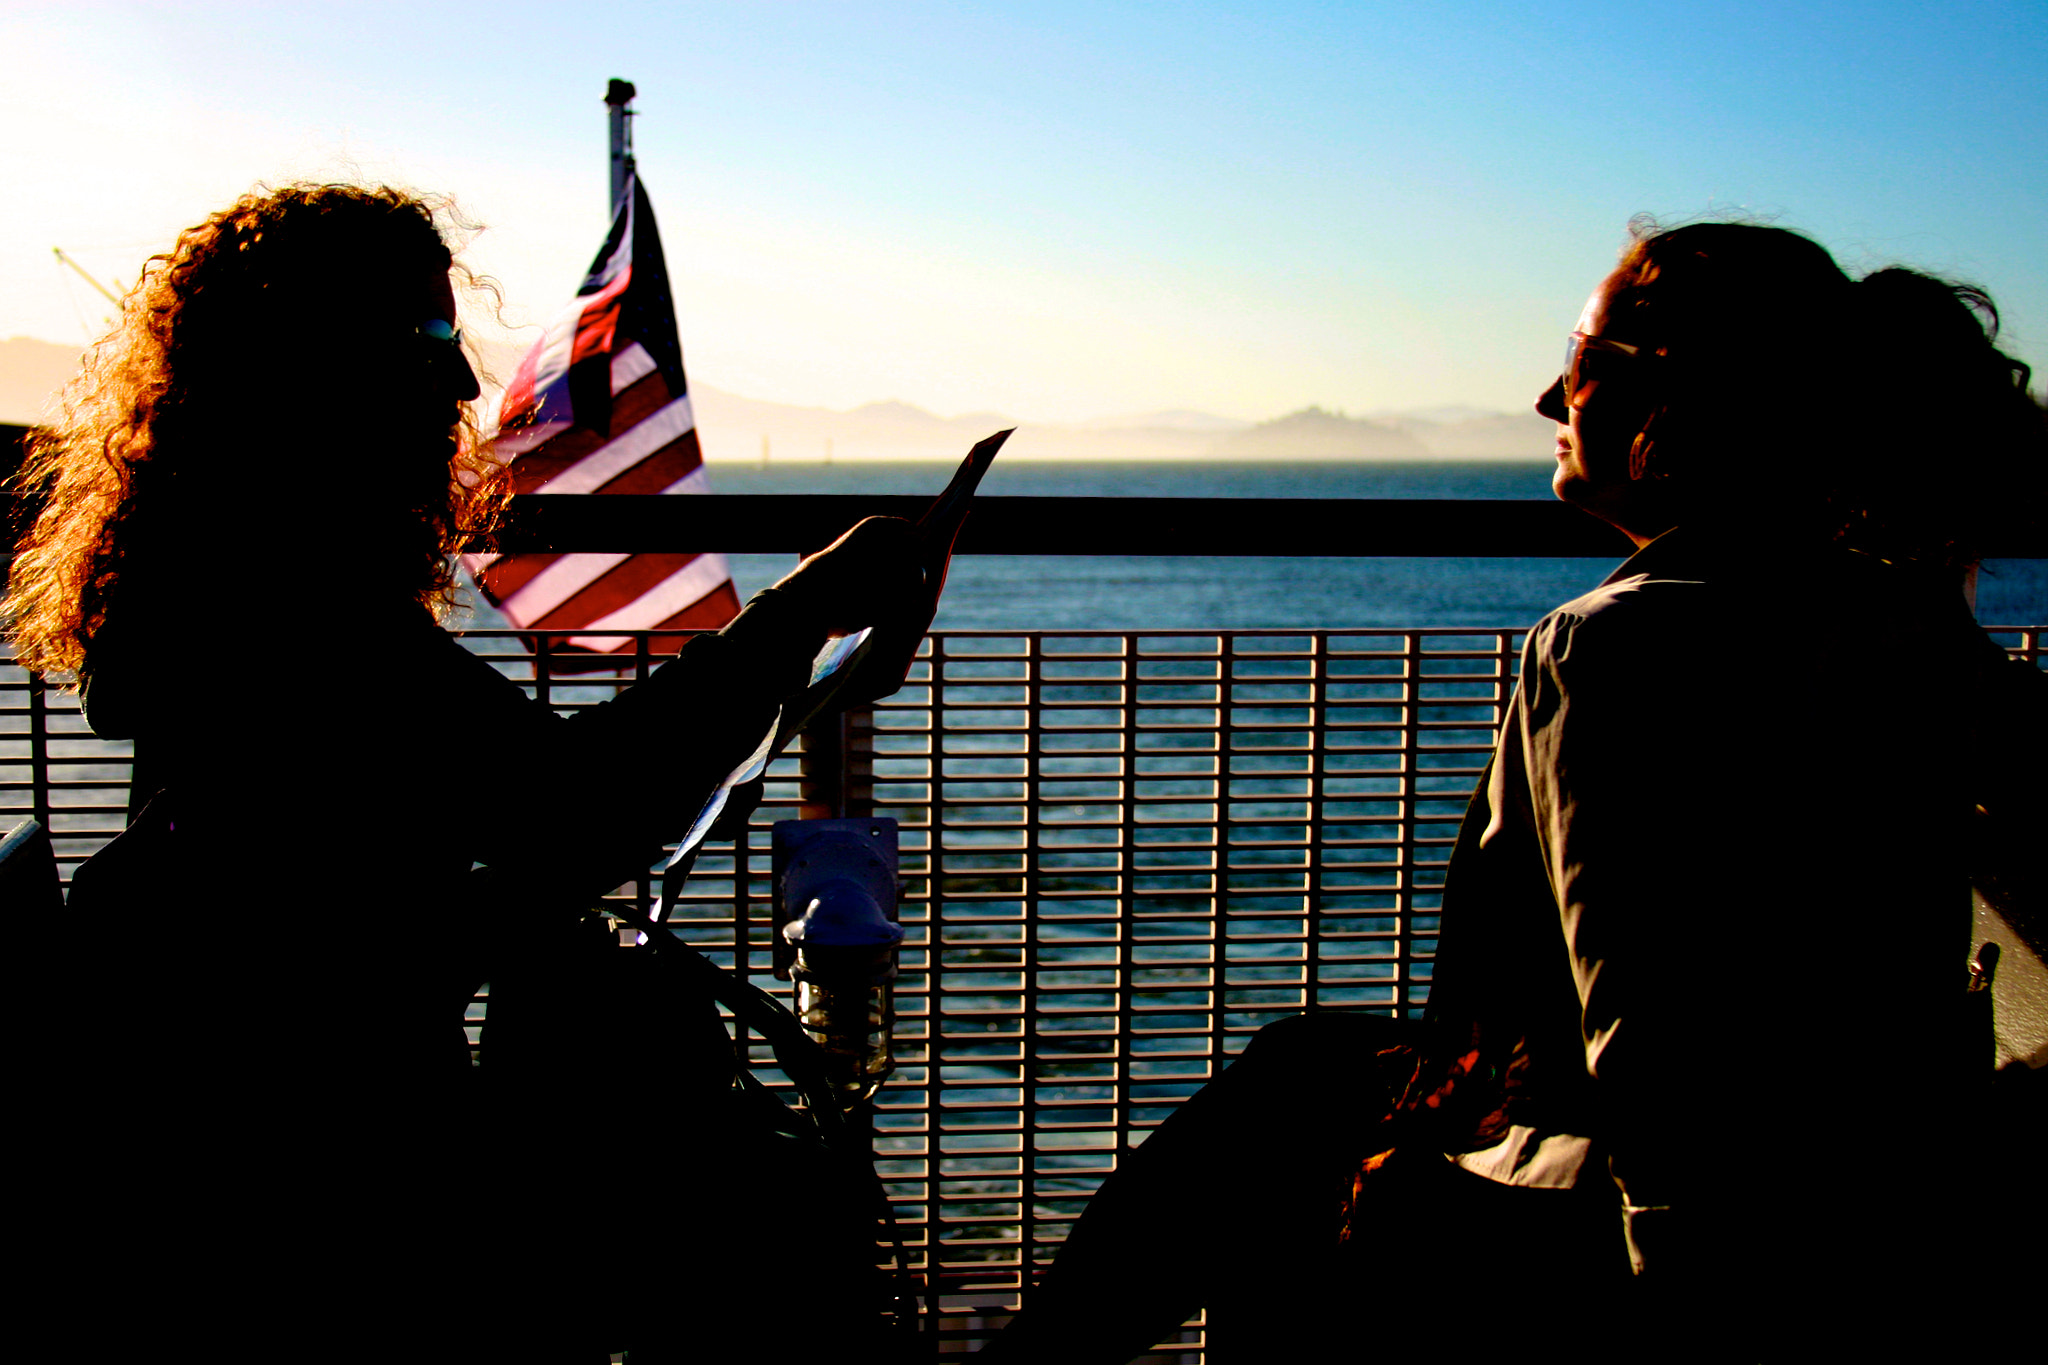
(1689, 552)
(1725, 550)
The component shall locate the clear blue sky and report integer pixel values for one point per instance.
(1058, 210)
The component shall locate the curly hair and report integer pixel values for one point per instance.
(1879, 412)
(208, 418)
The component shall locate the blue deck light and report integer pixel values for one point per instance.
(836, 937)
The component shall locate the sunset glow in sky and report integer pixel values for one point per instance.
(1060, 211)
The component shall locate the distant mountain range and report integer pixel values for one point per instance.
(736, 429)
(31, 372)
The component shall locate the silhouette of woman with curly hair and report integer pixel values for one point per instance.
(257, 1068)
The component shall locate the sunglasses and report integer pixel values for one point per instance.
(450, 367)
(1579, 349)
(438, 329)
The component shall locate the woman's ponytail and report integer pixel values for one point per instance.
(1948, 452)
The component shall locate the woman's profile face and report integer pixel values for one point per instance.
(420, 378)
(1598, 425)
(445, 359)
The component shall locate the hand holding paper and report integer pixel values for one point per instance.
(875, 589)
(863, 576)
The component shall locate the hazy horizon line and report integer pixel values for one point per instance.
(1129, 418)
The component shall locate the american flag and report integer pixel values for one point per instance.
(600, 405)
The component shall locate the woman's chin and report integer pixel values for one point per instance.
(1568, 485)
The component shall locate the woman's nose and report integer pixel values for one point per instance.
(465, 386)
(1551, 404)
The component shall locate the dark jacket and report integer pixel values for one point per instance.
(255, 1049)
(1706, 924)
(332, 799)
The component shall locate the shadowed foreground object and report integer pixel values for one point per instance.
(29, 884)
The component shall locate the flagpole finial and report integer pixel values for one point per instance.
(617, 96)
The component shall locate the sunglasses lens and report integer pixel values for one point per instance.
(1570, 372)
(439, 330)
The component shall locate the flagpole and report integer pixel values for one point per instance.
(617, 96)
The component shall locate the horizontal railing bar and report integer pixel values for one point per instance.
(1146, 651)
(764, 522)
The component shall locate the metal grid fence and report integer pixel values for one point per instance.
(1122, 854)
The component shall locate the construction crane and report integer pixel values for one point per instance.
(109, 295)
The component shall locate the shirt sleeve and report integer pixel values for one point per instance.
(1635, 779)
(588, 799)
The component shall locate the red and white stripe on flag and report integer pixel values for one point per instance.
(642, 440)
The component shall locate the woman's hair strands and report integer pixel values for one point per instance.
(255, 392)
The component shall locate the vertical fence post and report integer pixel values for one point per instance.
(1318, 785)
(857, 763)
(821, 781)
(1219, 869)
(39, 752)
(643, 884)
(837, 767)
(837, 782)
(543, 680)
(1032, 887)
(1126, 915)
(1411, 782)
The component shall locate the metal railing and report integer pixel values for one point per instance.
(1122, 852)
